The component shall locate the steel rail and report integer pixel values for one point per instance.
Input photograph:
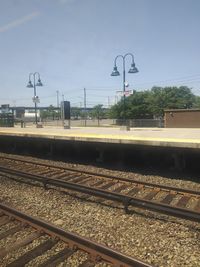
(148, 184)
(124, 199)
(97, 251)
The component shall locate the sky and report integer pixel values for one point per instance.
(73, 44)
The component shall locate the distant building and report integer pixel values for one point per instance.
(182, 118)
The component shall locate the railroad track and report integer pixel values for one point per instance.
(165, 199)
(44, 237)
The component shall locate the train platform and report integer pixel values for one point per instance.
(159, 137)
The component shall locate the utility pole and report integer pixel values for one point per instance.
(108, 102)
(62, 110)
(85, 105)
(57, 93)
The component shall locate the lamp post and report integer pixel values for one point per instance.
(33, 85)
(115, 72)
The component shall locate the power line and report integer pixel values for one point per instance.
(171, 80)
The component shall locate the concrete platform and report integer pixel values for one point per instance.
(160, 137)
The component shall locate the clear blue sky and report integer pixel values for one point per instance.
(73, 43)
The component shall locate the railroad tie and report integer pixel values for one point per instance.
(58, 258)
(11, 231)
(81, 180)
(183, 201)
(168, 198)
(4, 220)
(197, 206)
(32, 254)
(87, 263)
(67, 177)
(44, 172)
(98, 183)
(134, 191)
(120, 188)
(54, 174)
(106, 186)
(61, 175)
(21, 243)
(151, 194)
(29, 168)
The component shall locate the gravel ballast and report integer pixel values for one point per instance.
(157, 239)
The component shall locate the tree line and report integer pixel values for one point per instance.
(145, 104)
(152, 103)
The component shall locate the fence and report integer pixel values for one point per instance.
(108, 123)
(142, 122)
(6, 120)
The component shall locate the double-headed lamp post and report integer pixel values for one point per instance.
(115, 72)
(33, 85)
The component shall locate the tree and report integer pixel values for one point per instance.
(50, 113)
(152, 103)
(197, 102)
(136, 107)
(170, 98)
(97, 112)
(76, 113)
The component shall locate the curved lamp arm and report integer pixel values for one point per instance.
(129, 54)
(31, 74)
(115, 61)
(37, 73)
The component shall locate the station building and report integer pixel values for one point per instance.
(182, 118)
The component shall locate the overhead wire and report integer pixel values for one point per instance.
(186, 79)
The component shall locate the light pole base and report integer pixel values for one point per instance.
(66, 127)
(39, 125)
(67, 124)
(124, 128)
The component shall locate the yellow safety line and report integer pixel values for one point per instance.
(107, 136)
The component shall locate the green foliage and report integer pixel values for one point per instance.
(97, 112)
(50, 113)
(147, 104)
(197, 102)
(170, 98)
(75, 113)
(137, 106)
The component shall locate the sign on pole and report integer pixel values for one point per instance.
(126, 93)
(36, 99)
(5, 108)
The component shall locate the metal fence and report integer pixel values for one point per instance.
(142, 122)
(107, 123)
(6, 120)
